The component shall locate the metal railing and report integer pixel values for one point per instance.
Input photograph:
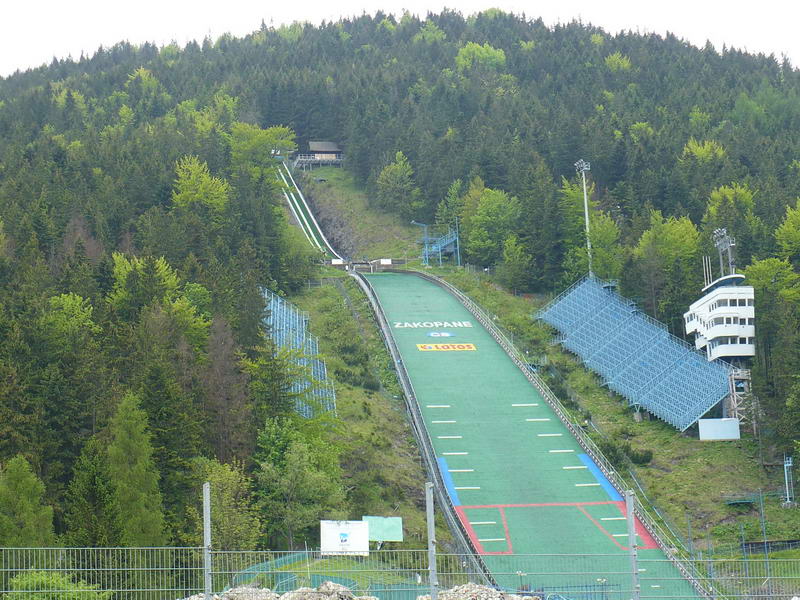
(100, 573)
(177, 573)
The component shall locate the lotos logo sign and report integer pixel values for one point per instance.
(430, 324)
(445, 347)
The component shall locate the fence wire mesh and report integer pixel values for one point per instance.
(100, 573)
(177, 573)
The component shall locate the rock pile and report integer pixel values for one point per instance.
(326, 591)
(473, 591)
(334, 591)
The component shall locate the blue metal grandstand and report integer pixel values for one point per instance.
(636, 355)
(288, 328)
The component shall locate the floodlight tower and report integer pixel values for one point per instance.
(581, 167)
(725, 245)
(424, 241)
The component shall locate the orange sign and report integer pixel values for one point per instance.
(445, 347)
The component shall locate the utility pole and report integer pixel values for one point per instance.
(207, 591)
(581, 167)
(424, 241)
(433, 577)
(632, 545)
(764, 536)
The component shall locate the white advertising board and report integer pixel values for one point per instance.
(718, 429)
(344, 537)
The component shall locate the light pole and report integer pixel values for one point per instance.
(581, 167)
(424, 241)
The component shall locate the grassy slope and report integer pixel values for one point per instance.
(359, 230)
(686, 479)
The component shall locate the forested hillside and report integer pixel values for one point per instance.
(139, 217)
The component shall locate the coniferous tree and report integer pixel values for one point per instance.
(173, 429)
(91, 515)
(134, 477)
(25, 521)
(230, 431)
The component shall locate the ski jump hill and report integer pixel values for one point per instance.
(515, 475)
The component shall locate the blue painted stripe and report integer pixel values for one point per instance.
(601, 479)
(448, 481)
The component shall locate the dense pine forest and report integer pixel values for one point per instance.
(140, 219)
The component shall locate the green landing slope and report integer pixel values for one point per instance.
(518, 479)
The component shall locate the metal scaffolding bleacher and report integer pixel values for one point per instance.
(635, 354)
(288, 328)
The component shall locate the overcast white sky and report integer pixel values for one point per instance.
(33, 31)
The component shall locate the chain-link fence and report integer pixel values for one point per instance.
(176, 573)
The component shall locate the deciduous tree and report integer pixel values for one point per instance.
(396, 189)
(235, 522)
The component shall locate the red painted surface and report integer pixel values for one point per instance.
(647, 540)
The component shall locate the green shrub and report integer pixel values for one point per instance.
(42, 585)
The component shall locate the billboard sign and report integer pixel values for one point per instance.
(385, 529)
(344, 537)
(719, 429)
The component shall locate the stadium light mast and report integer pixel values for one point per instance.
(581, 167)
(424, 241)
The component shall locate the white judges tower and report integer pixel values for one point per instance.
(723, 322)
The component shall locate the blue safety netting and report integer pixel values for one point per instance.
(636, 356)
(288, 328)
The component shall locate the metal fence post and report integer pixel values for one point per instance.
(434, 580)
(631, 518)
(207, 540)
